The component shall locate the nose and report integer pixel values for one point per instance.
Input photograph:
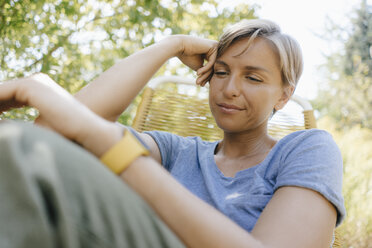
(232, 87)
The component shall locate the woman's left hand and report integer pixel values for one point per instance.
(194, 51)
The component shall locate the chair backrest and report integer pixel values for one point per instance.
(175, 104)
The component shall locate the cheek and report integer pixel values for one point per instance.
(214, 92)
(215, 82)
(214, 87)
(211, 98)
(260, 99)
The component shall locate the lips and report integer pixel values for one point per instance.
(229, 108)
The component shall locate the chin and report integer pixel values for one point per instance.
(229, 126)
(236, 126)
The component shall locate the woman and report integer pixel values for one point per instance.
(272, 193)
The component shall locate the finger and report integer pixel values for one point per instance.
(8, 96)
(10, 104)
(204, 78)
(7, 90)
(211, 60)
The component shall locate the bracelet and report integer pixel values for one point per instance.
(123, 153)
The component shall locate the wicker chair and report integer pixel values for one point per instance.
(174, 104)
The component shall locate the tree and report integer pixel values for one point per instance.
(360, 42)
(75, 40)
(347, 98)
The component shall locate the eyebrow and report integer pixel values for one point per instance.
(248, 67)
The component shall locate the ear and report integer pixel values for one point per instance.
(286, 95)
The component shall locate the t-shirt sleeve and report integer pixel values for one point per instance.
(169, 145)
(313, 160)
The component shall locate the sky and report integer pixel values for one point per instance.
(305, 20)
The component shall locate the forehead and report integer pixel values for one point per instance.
(261, 52)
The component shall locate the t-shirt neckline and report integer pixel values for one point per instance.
(242, 172)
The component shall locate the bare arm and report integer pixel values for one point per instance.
(295, 217)
(112, 92)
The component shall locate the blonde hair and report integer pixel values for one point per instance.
(289, 51)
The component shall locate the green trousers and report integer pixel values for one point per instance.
(53, 193)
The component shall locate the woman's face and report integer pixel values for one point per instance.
(246, 87)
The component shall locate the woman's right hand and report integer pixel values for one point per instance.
(194, 51)
(59, 111)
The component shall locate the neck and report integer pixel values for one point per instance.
(245, 144)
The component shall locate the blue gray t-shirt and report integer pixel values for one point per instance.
(308, 158)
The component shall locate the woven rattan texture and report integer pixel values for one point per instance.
(189, 115)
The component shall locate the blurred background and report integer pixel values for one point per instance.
(75, 40)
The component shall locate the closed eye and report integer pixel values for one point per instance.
(220, 73)
(254, 79)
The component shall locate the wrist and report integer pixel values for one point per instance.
(100, 136)
(121, 155)
(174, 43)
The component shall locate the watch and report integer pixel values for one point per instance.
(123, 153)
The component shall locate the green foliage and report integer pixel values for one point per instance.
(345, 104)
(357, 47)
(74, 40)
(355, 145)
(347, 98)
